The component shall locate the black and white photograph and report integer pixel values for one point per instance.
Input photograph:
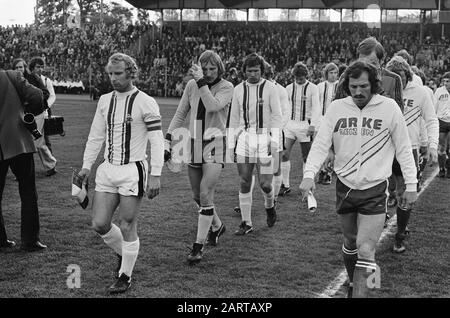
(224, 156)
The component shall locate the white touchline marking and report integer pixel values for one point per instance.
(339, 280)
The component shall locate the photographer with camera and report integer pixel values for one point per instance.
(33, 76)
(16, 151)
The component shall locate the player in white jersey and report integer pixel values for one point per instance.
(207, 97)
(125, 119)
(253, 135)
(285, 115)
(285, 112)
(366, 131)
(417, 105)
(327, 91)
(442, 107)
(416, 79)
(305, 112)
(423, 149)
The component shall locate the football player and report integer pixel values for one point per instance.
(418, 104)
(366, 131)
(305, 112)
(371, 51)
(126, 119)
(285, 111)
(327, 90)
(253, 135)
(442, 108)
(207, 96)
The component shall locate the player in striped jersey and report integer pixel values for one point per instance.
(442, 107)
(207, 96)
(285, 112)
(126, 119)
(327, 90)
(253, 135)
(286, 115)
(417, 105)
(305, 112)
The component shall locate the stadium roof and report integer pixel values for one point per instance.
(285, 4)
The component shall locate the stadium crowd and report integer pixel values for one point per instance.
(75, 57)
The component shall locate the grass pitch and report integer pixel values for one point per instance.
(296, 258)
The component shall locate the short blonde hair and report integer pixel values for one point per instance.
(130, 64)
(212, 57)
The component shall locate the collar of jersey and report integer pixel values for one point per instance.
(301, 84)
(217, 80)
(124, 94)
(410, 84)
(255, 84)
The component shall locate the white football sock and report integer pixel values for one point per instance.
(130, 252)
(245, 203)
(285, 170)
(216, 222)
(204, 223)
(276, 185)
(114, 239)
(268, 199)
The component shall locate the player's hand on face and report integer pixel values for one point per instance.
(306, 186)
(408, 199)
(197, 72)
(153, 186)
(329, 161)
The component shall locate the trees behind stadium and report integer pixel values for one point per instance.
(57, 12)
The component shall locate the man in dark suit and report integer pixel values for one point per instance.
(17, 97)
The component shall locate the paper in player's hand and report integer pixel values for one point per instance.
(312, 203)
(80, 190)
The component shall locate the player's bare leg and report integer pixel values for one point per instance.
(286, 167)
(367, 273)
(195, 175)
(128, 212)
(245, 171)
(277, 177)
(210, 174)
(444, 163)
(103, 207)
(265, 175)
(349, 251)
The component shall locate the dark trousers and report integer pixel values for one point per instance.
(23, 168)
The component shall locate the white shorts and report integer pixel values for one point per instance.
(127, 180)
(297, 130)
(252, 145)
